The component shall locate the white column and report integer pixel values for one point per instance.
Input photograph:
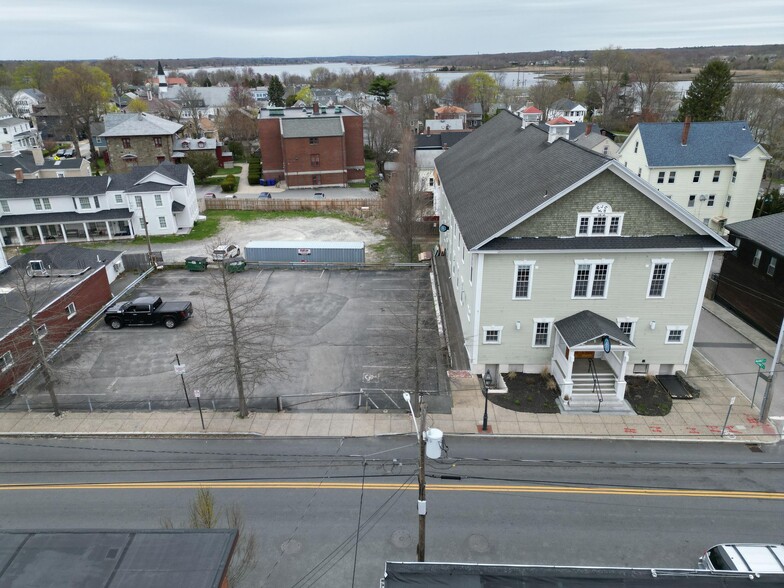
(86, 232)
(108, 230)
(19, 235)
(40, 234)
(620, 381)
(65, 236)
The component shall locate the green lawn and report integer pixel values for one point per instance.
(236, 170)
(371, 175)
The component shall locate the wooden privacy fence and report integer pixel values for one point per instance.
(350, 205)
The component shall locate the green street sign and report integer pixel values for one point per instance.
(761, 363)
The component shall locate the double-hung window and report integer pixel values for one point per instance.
(660, 273)
(627, 325)
(591, 278)
(542, 329)
(675, 335)
(492, 335)
(696, 177)
(523, 275)
(6, 361)
(158, 201)
(84, 202)
(660, 179)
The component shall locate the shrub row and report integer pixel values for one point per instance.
(229, 184)
(254, 172)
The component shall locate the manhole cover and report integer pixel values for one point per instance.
(478, 544)
(401, 538)
(291, 547)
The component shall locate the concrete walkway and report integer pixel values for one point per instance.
(699, 419)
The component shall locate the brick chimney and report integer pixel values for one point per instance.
(588, 128)
(686, 127)
(19, 175)
(315, 108)
(38, 156)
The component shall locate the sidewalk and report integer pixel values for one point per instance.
(694, 420)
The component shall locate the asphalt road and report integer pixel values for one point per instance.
(490, 500)
(734, 355)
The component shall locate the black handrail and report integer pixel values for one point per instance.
(597, 389)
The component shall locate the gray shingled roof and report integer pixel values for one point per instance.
(27, 163)
(709, 143)
(326, 126)
(47, 187)
(126, 181)
(149, 187)
(12, 121)
(52, 218)
(135, 125)
(501, 172)
(767, 231)
(604, 243)
(565, 104)
(587, 326)
(63, 256)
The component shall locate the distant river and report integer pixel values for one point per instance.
(508, 79)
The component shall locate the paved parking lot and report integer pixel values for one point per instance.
(349, 334)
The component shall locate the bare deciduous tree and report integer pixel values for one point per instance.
(191, 105)
(238, 344)
(650, 75)
(204, 513)
(383, 133)
(606, 72)
(403, 200)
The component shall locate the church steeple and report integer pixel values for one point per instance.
(162, 85)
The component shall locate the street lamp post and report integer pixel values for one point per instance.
(487, 381)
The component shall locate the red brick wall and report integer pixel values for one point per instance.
(271, 148)
(88, 296)
(335, 153)
(355, 147)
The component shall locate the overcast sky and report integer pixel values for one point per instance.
(86, 29)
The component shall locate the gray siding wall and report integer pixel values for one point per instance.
(641, 215)
(552, 286)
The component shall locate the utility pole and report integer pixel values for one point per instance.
(146, 233)
(422, 502)
(768, 398)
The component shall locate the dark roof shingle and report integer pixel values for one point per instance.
(767, 231)
(501, 172)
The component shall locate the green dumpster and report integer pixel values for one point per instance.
(196, 263)
(235, 264)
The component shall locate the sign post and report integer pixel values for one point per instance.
(197, 394)
(760, 366)
(180, 369)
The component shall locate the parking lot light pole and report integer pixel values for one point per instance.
(487, 381)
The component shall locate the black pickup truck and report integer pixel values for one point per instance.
(147, 310)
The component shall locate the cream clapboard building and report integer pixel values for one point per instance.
(712, 169)
(556, 251)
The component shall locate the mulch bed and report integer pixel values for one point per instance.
(647, 397)
(527, 393)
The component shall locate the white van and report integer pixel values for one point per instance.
(744, 557)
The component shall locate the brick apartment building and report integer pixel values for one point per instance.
(312, 148)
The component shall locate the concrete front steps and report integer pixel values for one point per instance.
(585, 400)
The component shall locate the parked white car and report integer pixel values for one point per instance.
(222, 252)
(744, 557)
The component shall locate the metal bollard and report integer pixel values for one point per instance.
(149, 405)
(279, 402)
(213, 406)
(27, 402)
(90, 402)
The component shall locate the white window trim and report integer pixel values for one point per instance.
(118, 198)
(549, 322)
(772, 263)
(163, 222)
(755, 261)
(7, 363)
(41, 331)
(654, 263)
(158, 198)
(628, 319)
(492, 328)
(69, 311)
(670, 328)
(518, 264)
(591, 216)
(593, 263)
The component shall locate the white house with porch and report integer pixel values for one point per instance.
(562, 259)
(98, 208)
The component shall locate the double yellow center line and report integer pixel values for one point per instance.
(495, 488)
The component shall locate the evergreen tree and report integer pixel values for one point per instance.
(381, 86)
(276, 91)
(708, 93)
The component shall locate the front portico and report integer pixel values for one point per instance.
(590, 357)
